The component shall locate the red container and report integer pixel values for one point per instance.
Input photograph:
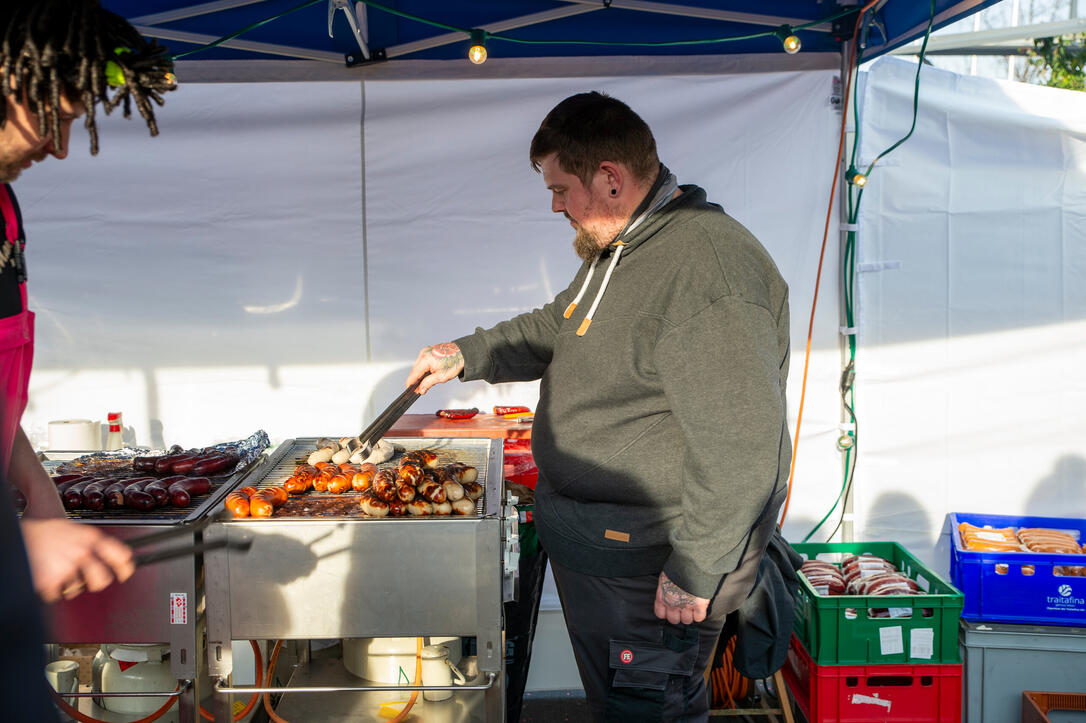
(873, 693)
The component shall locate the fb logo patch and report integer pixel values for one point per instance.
(1065, 590)
(626, 656)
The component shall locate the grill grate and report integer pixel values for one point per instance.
(162, 515)
(323, 504)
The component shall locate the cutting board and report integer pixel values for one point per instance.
(491, 426)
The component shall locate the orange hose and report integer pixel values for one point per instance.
(822, 253)
(74, 713)
(403, 714)
(272, 660)
(728, 685)
(256, 696)
(418, 680)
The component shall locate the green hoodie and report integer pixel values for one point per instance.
(660, 433)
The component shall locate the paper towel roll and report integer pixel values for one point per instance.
(75, 434)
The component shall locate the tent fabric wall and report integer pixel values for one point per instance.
(970, 392)
(207, 282)
(219, 278)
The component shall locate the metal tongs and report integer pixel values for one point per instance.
(185, 528)
(384, 421)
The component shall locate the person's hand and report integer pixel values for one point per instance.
(67, 558)
(676, 605)
(435, 365)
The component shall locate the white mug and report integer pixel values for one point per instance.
(63, 675)
(437, 670)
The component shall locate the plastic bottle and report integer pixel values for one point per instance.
(114, 439)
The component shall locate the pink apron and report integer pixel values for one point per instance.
(16, 347)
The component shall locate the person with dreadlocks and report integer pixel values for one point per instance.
(59, 60)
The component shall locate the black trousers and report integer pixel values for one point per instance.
(634, 666)
(23, 687)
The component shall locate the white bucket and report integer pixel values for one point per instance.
(390, 661)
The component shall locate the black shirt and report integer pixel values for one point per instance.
(11, 256)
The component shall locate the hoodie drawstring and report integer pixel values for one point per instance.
(584, 287)
(619, 245)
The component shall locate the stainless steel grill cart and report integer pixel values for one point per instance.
(306, 578)
(157, 605)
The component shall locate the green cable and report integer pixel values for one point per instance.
(416, 18)
(836, 502)
(613, 43)
(856, 108)
(247, 28)
(916, 89)
(853, 214)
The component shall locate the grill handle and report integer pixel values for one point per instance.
(221, 689)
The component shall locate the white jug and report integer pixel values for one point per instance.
(437, 670)
(63, 675)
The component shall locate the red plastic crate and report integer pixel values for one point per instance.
(873, 693)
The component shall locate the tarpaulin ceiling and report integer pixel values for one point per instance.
(391, 30)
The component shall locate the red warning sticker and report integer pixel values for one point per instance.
(179, 608)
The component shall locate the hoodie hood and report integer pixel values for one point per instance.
(644, 222)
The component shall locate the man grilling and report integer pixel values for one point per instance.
(660, 433)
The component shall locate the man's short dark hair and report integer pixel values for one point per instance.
(75, 48)
(589, 128)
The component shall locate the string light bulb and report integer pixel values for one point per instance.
(477, 51)
(789, 40)
(856, 178)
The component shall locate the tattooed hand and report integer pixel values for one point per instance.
(677, 605)
(436, 364)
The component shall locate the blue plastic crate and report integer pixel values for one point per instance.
(999, 586)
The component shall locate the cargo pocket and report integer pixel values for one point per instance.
(641, 672)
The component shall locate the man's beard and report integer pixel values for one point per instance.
(586, 244)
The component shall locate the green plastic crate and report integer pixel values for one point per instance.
(841, 630)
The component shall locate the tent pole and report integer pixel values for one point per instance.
(847, 524)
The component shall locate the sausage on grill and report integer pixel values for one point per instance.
(238, 503)
(182, 491)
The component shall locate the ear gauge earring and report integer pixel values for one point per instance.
(614, 191)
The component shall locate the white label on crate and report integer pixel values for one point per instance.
(857, 699)
(991, 536)
(890, 641)
(901, 612)
(822, 589)
(922, 583)
(922, 643)
(179, 608)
